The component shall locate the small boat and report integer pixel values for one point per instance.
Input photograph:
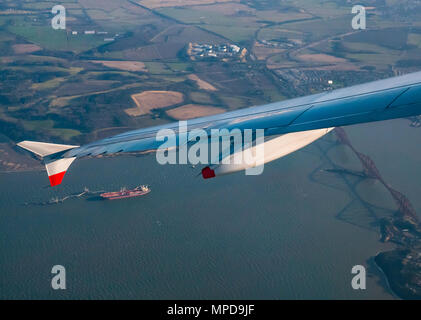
(124, 193)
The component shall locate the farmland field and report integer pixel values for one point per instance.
(149, 100)
(191, 111)
(86, 77)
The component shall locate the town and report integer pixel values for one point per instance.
(201, 51)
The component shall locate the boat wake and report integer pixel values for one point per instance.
(56, 200)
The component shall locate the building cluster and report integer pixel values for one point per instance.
(198, 51)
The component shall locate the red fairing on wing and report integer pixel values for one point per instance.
(208, 173)
(57, 178)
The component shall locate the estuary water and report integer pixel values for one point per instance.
(294, 232)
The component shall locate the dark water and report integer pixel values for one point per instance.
(294, 232)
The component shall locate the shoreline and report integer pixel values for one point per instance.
(398, 268)
(383, 277)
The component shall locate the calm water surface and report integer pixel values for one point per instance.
(292, 233)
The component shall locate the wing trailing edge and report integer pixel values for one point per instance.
(386, 99)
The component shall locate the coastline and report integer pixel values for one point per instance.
(383, 279)
(397, 267)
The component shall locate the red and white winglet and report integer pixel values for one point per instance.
(56, 169)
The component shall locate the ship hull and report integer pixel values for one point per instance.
(122, 195)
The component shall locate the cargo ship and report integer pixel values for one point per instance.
(124, 193)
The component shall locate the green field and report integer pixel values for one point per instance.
(179, 66)
(47, 126)
(158, 68)
(237, 29)
(235, 34)
(201, 97)
(57, 81)
(50, 84)
(319, 29)
(323, 8)
(48, 38)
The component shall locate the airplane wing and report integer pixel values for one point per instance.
(375, 101)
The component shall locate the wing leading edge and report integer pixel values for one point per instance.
(375, 101)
